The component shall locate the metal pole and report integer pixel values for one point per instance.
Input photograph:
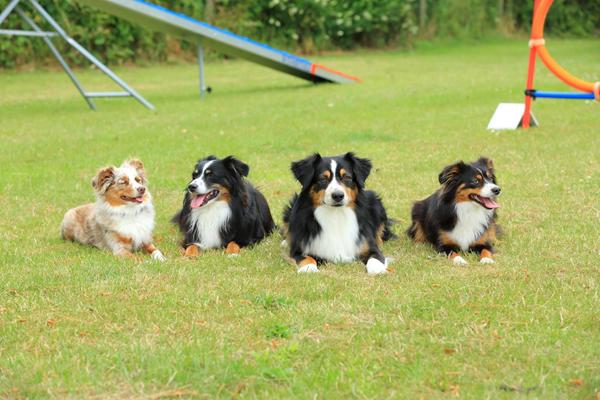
(201, 67)
(14, 32)
(90, 56)
(61, 60)
(7, 10)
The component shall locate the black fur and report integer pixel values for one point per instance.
(437, 213)
(301, 225)
(251, 219)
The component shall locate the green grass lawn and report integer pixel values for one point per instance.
(76, 322)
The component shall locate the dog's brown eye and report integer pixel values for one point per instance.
(138, 179)
(475, 181)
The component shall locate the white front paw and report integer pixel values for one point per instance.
(376, 267)
(458, 260)
(158, 256)
(308, 268)
(487, 260)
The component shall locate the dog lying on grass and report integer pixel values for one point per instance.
(122, 218)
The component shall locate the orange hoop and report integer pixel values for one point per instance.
(537, 35)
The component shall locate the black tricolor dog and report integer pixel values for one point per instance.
(334, 218)
(222, 209)
(461, 215)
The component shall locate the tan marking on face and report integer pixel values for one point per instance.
(479, 177)
(485, 253)
(307, 260)
(342, 172)
(192, 251)
(462, 194)
(317, 198)
(351, 194)
(224, 193)
(232, 248)
(419, 233)
(114, 193)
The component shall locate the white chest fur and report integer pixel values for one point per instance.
(472, 220)
(135, 222)
(338, 239)
(208, 222)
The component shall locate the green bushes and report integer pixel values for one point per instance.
(303, 25)
(317, 24)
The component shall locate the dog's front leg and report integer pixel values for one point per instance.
(485, 252)
(120, 245)
(452, 253)
(304, 264)
(155, 253)
(374, 260)
(233, 249)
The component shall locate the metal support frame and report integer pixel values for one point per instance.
(203, 88)
(58, 31)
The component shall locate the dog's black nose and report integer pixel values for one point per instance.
(141, 190)
(496, 190)
(192, 187)
(337, 196)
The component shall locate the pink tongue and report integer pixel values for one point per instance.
(198, 200)
(489, 203)
(138, 199)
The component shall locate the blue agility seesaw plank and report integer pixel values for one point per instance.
(562, 95)
(164, 20)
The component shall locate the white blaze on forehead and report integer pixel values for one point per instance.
(131, 173)
(199, 181)
(206, 166)
(334, 186)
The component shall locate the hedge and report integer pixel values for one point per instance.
(301, 25)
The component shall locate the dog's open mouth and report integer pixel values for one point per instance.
(203, 199)
(484, 201)
(138, 199)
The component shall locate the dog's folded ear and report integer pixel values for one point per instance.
(236, 166)
(103, 179)
(450, 172)
(487, 163)
(304, 170)
(137, 165)
(361, 168)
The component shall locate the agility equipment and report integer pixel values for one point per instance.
(178, 25)
(537, 45)
(58, 31)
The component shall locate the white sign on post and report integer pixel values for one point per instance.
(509, 116)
